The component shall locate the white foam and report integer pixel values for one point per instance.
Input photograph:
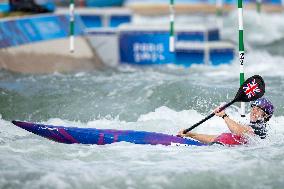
(257, 62)
(261, 28)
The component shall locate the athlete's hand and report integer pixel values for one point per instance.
(181, 134)
(218, 112)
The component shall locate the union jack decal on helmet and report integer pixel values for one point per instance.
(251, 89)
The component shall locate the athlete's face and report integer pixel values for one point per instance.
(256, 114)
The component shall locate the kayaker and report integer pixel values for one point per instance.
(261, 111)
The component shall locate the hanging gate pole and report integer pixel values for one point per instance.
(172, 23)
(241, 50)
(258, 5)
(71, 24)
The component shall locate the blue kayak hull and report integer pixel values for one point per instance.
(71, 135)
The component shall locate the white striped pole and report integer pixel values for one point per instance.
(71, 24)
(241, 50)
(172, 23)
(258, 5)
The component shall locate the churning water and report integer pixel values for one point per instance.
(161, 99)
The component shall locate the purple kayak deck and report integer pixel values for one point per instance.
(71, 135)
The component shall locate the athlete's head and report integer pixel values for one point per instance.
(262, 109)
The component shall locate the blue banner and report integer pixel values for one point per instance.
(103, 3)
(4, 7)
(116, 20)
(145, 48)
(36, 28)
(11, 34)
(221, 56)
(188, 56)
(191, 36)
(48, 27)
(92, 21)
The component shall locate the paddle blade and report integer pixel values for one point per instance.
(252, 89)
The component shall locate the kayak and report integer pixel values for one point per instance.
(73, 135)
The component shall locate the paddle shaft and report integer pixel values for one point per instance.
(208, 117)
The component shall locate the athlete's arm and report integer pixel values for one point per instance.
(200, 137)
(233, 126)
(237, 128)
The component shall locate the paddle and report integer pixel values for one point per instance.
(252, 89)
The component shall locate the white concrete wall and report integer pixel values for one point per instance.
(50, 56)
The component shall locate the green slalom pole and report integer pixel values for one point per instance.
(258, 5)
(71, 24)
(172, 23)
(241, 50)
